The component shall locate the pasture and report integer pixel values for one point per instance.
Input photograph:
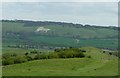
(15, 33)
(100, 64)
(21, 38)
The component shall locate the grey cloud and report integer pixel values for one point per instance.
(63, 11)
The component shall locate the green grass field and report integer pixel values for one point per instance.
(15, 33)
(62, 31)
(100, 64)
(63, 41)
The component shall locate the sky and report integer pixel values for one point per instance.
(93, 13)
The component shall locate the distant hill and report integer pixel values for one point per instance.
(61, 34)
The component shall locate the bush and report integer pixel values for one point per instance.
(110, 53)
(69, 54)
(5, 62)
(8, 61)
(75, 49)
(53, 55)
(26, 53)
(34, 52)
(20, 59)
(29, 58)
(56, 50)
(62, 55)
(9, 55)
(37, 57)
(58, 53)
(103, 51)
(41, 56)
(83, 51)
(89, 56)
(79, 55)
(5, 56)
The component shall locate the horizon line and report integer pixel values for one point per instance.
(62, 22)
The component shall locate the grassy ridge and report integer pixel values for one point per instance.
(100, 64)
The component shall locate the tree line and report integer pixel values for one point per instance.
(64, 24)
(8, 59)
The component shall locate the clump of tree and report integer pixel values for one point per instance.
(62, 53)
(88, 56)
(110, 53)
(9, 59)
(34, 52)
(20, 59)
(70, 53)
(41, 56)
(53, 55)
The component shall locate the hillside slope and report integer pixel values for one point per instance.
(100, 64)
(23, 33)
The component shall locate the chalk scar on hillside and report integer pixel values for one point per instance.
(42, 29)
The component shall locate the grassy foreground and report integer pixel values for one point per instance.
(100, 64)
(62, 67)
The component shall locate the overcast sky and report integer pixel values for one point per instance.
(94, 13)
